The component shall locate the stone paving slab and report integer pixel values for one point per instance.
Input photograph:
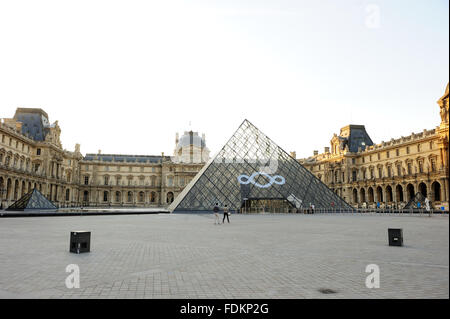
(255, 256)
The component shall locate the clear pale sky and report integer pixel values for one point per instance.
(125, 76)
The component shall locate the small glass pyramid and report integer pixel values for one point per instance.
(32, 200)
(252, 167)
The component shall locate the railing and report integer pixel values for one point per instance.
(359, 211)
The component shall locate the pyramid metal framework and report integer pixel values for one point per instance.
(418, 198)
(32, 200)
(252, 166)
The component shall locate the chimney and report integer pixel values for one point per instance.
(294, 154)
(316, 153)
(176, 139)
(327, 149)
(99, 151)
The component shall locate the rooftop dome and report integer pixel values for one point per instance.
(191, 138)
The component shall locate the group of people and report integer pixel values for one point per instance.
(226, 213)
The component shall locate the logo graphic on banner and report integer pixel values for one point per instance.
(245, 179)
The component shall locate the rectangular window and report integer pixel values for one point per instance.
(387, 154)
(397, 152)
(407, 149)
(38, 151)
(86, 180)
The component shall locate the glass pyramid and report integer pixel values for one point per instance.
(416, 202)
(32, 200)
(252, 166)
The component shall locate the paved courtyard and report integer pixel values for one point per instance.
(255, 256)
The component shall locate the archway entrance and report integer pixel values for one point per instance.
(389, 194)
(399, 191)
(410, 191)
(266, 205)
(436, 187)
(423, 189)
(371, 197)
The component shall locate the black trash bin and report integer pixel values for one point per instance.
(80, 242)
(395, 236)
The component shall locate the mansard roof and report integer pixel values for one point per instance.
(355, 137)
(35, 122)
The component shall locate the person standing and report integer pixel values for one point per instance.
(216, 214)
(225, 214)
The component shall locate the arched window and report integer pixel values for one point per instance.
(118, 197)
(67, 194)
(105, 196)
(152, 197)
(85, 196)
(141, 196)
(130, 197)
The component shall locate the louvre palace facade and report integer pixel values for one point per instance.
(390, 173)
(361, 172)
(31, 155)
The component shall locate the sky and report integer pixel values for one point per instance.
(124, 76)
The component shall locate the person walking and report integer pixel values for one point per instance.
(216, 214)
(225, 214)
